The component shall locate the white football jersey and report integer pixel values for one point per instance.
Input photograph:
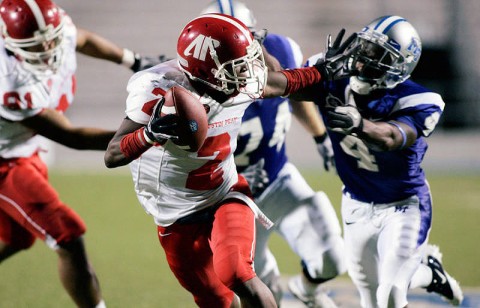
(25, 94)
(170, 182)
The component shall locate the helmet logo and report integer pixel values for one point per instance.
(201, 45)
(415, 49)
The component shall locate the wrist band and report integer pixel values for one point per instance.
(321, 138)
(402, 132)
(134, 144)
(300, 78)
(128, 58)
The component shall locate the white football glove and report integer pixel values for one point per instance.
(324, 148)
(256, 177)
(343, 118)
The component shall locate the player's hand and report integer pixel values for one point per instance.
(334, 65)
(324, 147)
(256, 177)
(344, 119)
(143, 62)
(161, 129)
(260, 35)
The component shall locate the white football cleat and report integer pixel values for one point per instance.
(442, 283)
(317, 298)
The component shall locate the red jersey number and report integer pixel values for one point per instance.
(210, 176)
(12, 100)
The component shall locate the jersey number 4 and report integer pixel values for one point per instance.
(356, 148)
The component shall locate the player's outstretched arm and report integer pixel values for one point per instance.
(55, 126)
(94, 45)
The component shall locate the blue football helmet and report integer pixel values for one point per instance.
(233, 8)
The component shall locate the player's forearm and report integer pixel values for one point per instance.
(286, 82)
(114, 157)
(125, 147)
(309, 117)
(85, 138)
(383, 136)
(93, 45)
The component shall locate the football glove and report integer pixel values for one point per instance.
(333, 66)
(143, 62)
(343, 117)
(260, 35)
(256, 177)
(161, 129)
(324, 148)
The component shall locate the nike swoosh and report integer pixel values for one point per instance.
(442, 276)
(164, 234)
(350, 222)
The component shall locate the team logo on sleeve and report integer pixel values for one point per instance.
(201, 46)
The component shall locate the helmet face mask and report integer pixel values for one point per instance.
(244, 75)
(219, 51)
(33, 31)
(384, 54)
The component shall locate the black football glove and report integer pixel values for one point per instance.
(324, 148)
(161, 129)
(333, 66)
(143, 62)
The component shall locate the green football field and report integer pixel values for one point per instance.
(122, 244)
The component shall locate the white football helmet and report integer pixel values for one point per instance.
(384, 54)
(33, 32)
(233, 8)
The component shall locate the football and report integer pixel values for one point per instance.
(192, 118)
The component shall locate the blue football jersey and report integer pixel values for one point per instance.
(385, 176)
(266, 121)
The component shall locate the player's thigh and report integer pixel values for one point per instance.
(30, 200)
(13, 235)
(190, 258)
(360, 237)
(399, 244)
(233, 242)
(285, 194)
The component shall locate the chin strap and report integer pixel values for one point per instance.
(360, 87)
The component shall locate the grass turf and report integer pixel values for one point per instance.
(122, 244)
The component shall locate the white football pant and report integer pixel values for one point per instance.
(306, 220)
(381, 249)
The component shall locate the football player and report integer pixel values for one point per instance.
(378, 122)
(37, 85)
(304, 218)
(202, 208)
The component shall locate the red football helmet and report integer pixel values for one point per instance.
(33, 31)
(220, 52)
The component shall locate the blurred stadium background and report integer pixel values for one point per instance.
(449, 65)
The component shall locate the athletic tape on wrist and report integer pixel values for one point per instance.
(300, 78)
(134, 144)
(128, 58)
